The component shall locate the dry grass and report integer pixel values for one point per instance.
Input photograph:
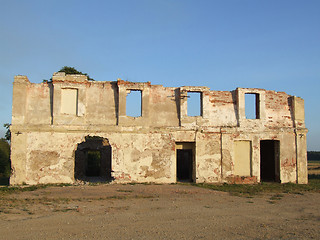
(314, 168)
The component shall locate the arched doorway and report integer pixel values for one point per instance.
(93, 160)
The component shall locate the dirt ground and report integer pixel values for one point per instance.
(156, 212)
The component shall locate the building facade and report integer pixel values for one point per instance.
(71, 128)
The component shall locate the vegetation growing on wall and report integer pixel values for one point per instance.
(72, 70)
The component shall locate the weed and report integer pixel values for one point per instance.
(276, 197)
(119, 208)
(64, 210)
(124, 190)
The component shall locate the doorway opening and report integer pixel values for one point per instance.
(185, 162)
(270, 160)
(93, 160)
(93, 163)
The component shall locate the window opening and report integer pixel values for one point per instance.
(133, 103)
(252, 106)
(194, 104)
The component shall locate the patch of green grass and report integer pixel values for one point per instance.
(27, 188)
(64, 210)
(27, 211)
(250, 190)
(126, 197)
(124, 190)
(314, 161)
(277, 196)
(8, 190)
(119, 208)
(142, 183)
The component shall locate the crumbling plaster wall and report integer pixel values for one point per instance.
(164, 110)
(44, 140)
(287, 153)
(136, 156)
(104, 113)
(208, 157)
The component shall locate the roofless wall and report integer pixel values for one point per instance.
(164, 143)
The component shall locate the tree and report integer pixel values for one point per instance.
(8, 132)
(5, 165)
(313, 155)
(72, 70)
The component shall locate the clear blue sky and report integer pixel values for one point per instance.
(271, 44)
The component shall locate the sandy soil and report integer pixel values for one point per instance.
(156, 212)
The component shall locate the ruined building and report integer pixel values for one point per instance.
(71, 128)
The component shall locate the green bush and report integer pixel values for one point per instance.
(72, 70)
